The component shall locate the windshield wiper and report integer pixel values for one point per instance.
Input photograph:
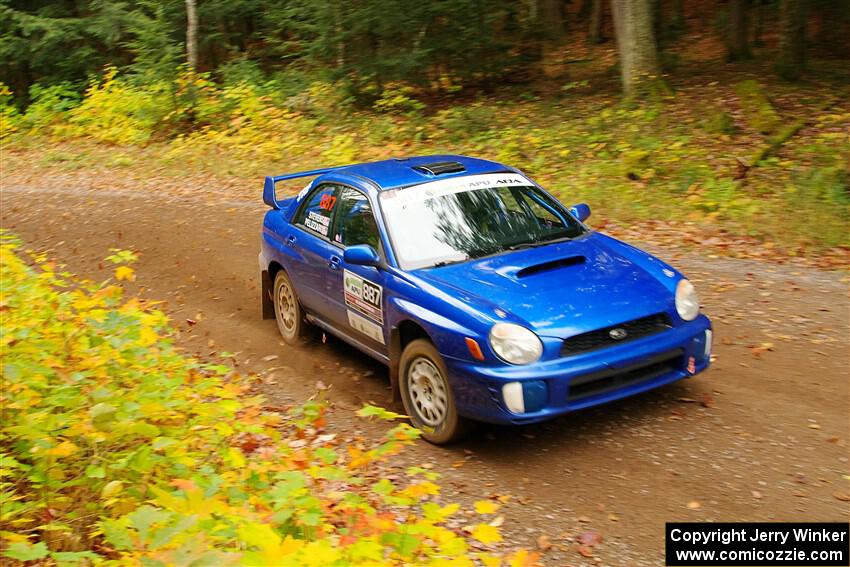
(482, 252)
(442, 263)
(536, 243)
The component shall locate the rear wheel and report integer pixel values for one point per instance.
(427, 396)
(287, 311)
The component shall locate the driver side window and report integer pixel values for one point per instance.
(316, 213)
(355, 223)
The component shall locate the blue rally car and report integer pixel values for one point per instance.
(487, 298)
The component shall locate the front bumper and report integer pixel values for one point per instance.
(583, 380)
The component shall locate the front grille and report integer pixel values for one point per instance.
(608, 380)
(601, 338)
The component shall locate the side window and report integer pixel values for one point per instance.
(356, 223)
(317, 211)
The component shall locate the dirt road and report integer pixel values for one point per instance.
(763, 435)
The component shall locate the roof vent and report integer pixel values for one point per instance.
(440, 167)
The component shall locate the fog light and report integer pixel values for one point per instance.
(708, 335)
(525, 397)
(512, 393)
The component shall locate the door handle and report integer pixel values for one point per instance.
(334, 262)
(290, 240)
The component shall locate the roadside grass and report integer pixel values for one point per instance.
(687, 158)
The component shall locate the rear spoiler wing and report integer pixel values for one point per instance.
(269, 197)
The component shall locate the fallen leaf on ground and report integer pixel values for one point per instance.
(694, 505)
(843, 496)
(544, 543)
(585, 551)
(589, 538)
(486, 507)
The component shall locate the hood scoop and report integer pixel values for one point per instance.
(550, 265)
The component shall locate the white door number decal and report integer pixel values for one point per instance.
(363, 296)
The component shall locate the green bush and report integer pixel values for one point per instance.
(115, 447)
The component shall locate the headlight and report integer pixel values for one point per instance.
(515, 344)
(687, 302)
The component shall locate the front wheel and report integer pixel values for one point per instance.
(288, 312)
(427, 396)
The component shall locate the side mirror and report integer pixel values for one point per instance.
(362, 255)
(580, 211)
(269, 197)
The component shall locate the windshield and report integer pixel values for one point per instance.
(452, 220)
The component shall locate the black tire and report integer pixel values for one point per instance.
(288, 313)
(427, 395)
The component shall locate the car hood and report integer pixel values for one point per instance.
(562, 289)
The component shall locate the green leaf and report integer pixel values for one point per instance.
(141, 461)
(381, 413)
(311, 518)
(327, 455)
(117, 534)
(162, 443)
(405, 544)
(145, 429)
(95, 471)
(168, 533)
(23, 551)
(62, 557)
(145, 517)
(289, 482)
(102, 411)
(383, 487)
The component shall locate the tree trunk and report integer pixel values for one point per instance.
(737, 32)
(833, 35)
(678, 21)
(551, 17)
(758, 27)
(338, 30)
(636, 45)
(655, 6)
(792, 43)
(192, 34)
(596, 32)
(586, 9)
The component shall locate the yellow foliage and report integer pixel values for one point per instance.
(125, 273)
(486, 507)
(486, 533)
(150, 456)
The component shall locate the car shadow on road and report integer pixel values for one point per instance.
(488, 440)
(580, 427)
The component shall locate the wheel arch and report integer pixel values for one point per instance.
(401, 335)
(267, 283)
